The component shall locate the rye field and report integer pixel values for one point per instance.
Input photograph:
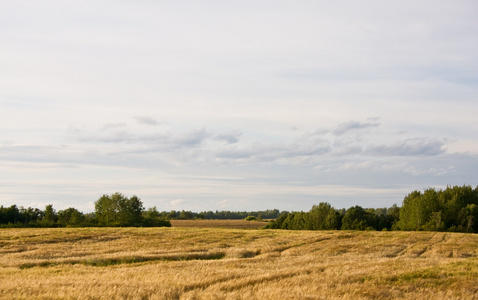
(230, 263)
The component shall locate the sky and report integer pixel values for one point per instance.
(236, 105)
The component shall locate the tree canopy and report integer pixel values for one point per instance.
(452, 209)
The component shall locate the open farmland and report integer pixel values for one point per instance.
(236, 224)
(218, 263)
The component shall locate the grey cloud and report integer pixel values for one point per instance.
(348, 145)
(109, 137)
(352, 125)
(108, 126)
(230, 138)
(320, 131)
(194, 138)
(147, 121)
(118, 143)
(310, 147)
(199, 145)
(347, 150)
(274, 152)
(236, 153)
(410, 147)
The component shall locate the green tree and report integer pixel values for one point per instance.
(10, 215)
(130, 211)
(409, 213)
(172, 215)
(435, 222)
(333, 221)
(49, 216)
(106, 210)
(468, 217)
(118, 210)
(417, 210)
(30, 216)
(287, 223)
(357, 218)
(153, 218)
(277, 223)
(323, 217)
(185, 215)
(393, 216)
(452, 201)
(71, 217)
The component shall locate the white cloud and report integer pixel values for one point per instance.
(176, 203)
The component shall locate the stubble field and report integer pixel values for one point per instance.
(225, 263)
(233, 224)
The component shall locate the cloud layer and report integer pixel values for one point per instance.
(252, 104)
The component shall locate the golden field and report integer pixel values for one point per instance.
(236, 224)
(224, 263)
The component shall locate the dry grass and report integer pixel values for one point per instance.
(215, 263)
(237, 224)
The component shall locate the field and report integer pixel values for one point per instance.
(225, 263)
(236, 224)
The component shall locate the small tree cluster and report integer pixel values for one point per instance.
(110, 210)
(324, 217)
(453, 209)
(118, 210)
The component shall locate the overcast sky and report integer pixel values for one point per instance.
(236, 105)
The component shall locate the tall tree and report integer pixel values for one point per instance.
(71, 217)
(49, 216)
(118, 210)
(357, 218)
(106, 210)
(409, 213)
(323, 217)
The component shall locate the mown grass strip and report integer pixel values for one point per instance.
(104, 262)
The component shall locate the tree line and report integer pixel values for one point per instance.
(222, 215)
(116, 210)
(110, 210)
(452, 209)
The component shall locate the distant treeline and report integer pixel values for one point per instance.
(114, 210)
(452, 209)
(223, 214)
